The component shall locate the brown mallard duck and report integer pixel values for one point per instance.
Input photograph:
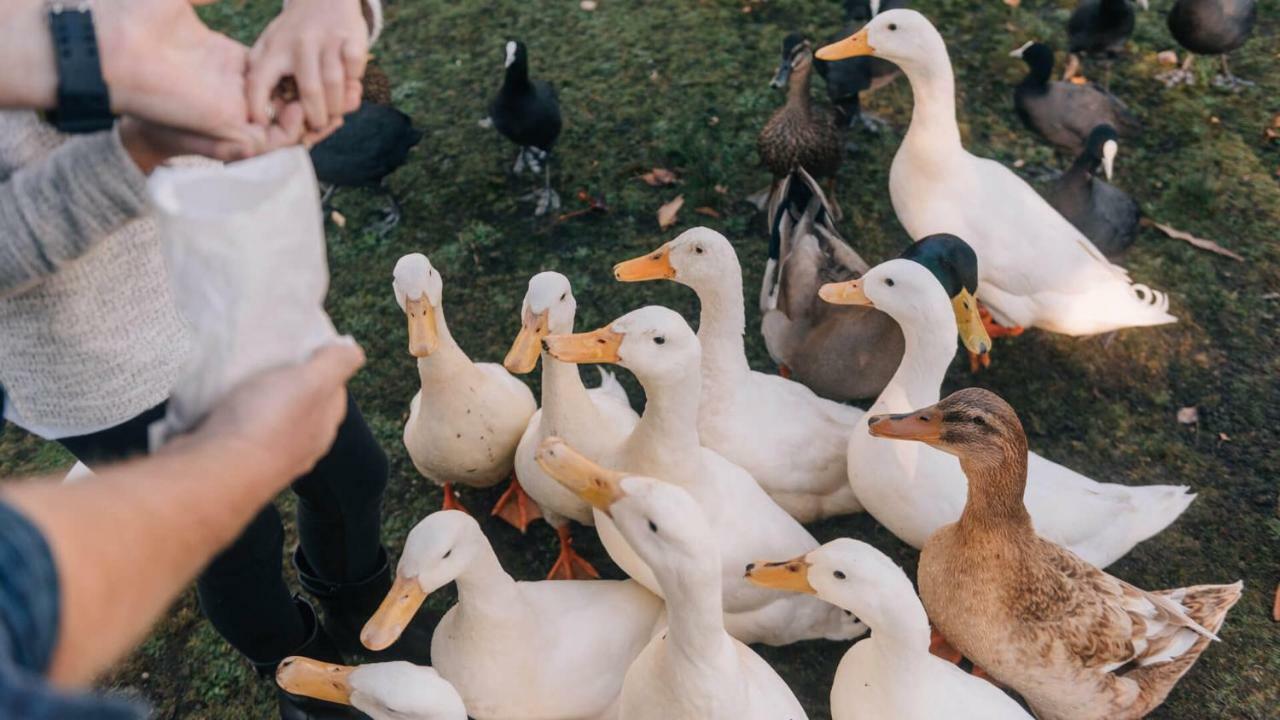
(841, 352)
(799, 134)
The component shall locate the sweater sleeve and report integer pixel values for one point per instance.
(55, 209)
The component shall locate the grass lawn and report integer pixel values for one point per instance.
(684, 85)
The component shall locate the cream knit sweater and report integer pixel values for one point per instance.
(89, 336)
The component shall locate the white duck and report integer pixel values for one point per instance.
(913, 489)
(891, 674)
(658, 346)
(694, 670)
(596, 420)
(516, 650)
(790, 440)
(474, 414)
(1037, 268)
(383, 691)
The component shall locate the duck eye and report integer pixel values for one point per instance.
(839, 574)
(447, 554)
(659, 340)
(893, 26)
(562, 297)
(978, 420)
(698, 250)
(888, 281)
(653, 527)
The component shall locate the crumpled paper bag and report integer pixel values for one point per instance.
(245, 248)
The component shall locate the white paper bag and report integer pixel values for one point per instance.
(245, 249)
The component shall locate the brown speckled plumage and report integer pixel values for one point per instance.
(800, 133)
(1075, 642)
(377, 86)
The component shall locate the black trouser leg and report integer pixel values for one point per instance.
(340, 505)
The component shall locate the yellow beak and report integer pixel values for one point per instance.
(315, 679)
(972, 332)
(523, 356)
(845, 293)
(423, 336)
(598, 346)
(393, 615)
(599, 486)
(792, 575)
(852, 46)
(654, 266)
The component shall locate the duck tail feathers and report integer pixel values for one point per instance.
(610, 386)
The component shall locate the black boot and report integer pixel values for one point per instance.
(348, 606)
(318, 646)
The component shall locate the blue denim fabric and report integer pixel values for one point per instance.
(29, 608)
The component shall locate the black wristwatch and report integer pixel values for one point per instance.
(84, 102)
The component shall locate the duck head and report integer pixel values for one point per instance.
(906, 288)
(1101, 147)
(698, 257)
(849, 574)
(549, 308)
(797, 53)
(903, 37)
(383, 691)
(437, 551)
(418, 289)
(973, 424)
(660, 521)
(654, 343)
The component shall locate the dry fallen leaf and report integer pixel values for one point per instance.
(722, 189)
(1168, 58)
(1201, 243)
(1224, 437)
(658, 177)
(1013, 3)
(1189, 415)
(667, 213)
(1275, 610)
(588, 5)
(708, 211)
(338, 219)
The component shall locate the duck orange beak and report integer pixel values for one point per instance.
(654, 266)
(315, 679)
(394, 614)
(523, 356)
(599, 486)
(424, 338)
(852, 46)
(922, 425)
(849, 292)
(791, 575)
(598, 346)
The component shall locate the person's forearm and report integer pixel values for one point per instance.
(137, 534)
(28, 78)
(55, 210)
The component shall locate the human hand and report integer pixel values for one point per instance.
(324, 46)
(151, 145)
(279, 423)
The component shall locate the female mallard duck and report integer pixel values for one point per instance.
(597, 420)
(527, 112)
(1037, 269)
(841, 352)
(790, 440)
(799, 134)
(516, 650)
(891, 674)
(1075, 642)
(466, 419)
(383, 691)
(659, 347)
(694, 669)
(913, 490)
(1064, 113)
(1107, 215)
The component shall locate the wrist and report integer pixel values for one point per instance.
(139, 148)
(33, 82)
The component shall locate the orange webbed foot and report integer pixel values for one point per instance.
(570, 565)
(516, 507)
(784, 372)
(451, 501)
(995, 329)
(939, 647)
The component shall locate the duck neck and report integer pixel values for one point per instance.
(485, 590)
(721, 326)
(929, 348)
(798, 86)
(447, 362)
(933, 116)
(695, 608)
(996, 491)
(897, 621)
(666, 438)
(564, 397)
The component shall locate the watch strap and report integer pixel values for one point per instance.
(84, 102)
